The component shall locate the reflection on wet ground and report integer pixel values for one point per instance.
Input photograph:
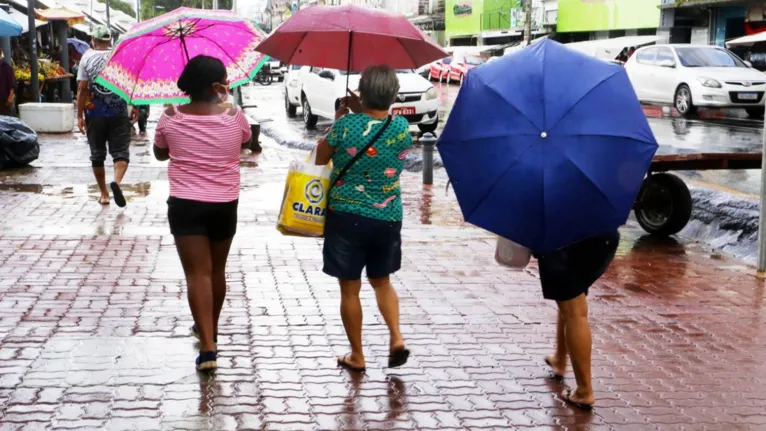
(94, 329)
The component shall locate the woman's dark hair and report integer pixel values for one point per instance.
(199, 75)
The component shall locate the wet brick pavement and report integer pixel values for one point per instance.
(94, 322)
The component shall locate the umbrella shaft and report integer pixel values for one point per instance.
(348, 61)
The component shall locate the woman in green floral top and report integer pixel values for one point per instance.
(364, 220)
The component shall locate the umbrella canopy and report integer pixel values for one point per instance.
(350, 38)
(79, 45)
(147, 61)
(547, 146)
(8, 26)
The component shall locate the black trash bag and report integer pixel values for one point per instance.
(18, 143)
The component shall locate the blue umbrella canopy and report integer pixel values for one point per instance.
(547, 146)
(8, 26)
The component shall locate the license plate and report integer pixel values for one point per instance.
(748, 96)
(408, 110)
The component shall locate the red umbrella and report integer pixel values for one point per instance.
(350, 38)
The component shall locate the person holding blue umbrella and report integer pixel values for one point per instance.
(548, 147)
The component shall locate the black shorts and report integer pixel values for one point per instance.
(114, 132)
(215, 220)
(353, 242)
(569, 272)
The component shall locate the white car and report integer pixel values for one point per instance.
(322, 89)
(692, 76)
(293, 84)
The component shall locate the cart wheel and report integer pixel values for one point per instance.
(664, 205)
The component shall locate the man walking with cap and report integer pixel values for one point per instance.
(103, 117)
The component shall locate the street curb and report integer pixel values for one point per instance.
(724, 221)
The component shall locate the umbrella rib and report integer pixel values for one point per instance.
(581, 99)
(520, 111)
(297, 45)
(595, 184)
(143, 63)
(224, 52)
(492, 187)
(405, 50)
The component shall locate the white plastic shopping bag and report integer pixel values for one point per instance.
(512, 255)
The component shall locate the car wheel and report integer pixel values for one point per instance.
(291, 109)
(428, 128)
(461, 79)
(755, 112)
(664, 205)
(309, 118)
(683, 101)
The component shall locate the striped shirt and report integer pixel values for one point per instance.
(204, 154)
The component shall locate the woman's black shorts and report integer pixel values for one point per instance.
(215, 220)
(570, 271)
(353, 242)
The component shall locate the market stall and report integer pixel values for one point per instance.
(57, 75)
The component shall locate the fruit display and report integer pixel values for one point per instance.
(24, 74)
(46, 70)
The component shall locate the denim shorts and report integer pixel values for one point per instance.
(570, 271)
(353, 242)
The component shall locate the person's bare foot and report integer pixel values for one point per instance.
(579, 399)
(558, 367)
(352, 362)
(104, 200)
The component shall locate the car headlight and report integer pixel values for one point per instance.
(294, 83)
(709, 82)
(430, 94)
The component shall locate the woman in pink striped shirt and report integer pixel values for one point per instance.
(203, 140)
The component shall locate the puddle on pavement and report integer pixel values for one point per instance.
(131, 191)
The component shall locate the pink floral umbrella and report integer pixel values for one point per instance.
(147, 61)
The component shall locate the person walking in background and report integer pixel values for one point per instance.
(143, 118)
(566, 275)
(203, 141)
(7, 87)
(103, 117)
(364, 217)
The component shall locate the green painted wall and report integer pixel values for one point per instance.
(467, 21)
(597, 15)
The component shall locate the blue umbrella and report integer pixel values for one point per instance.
(8, 25)
(547, 146)
(79, 45)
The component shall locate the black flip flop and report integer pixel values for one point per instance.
(343, 364)
(397, 358)
(119, 198)
(554, 376)
(568, 399)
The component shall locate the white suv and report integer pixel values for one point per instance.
(691, 76)
(322, 89)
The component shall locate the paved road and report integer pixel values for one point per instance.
(728, 131)
(94, 321)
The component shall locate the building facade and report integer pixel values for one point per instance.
(581, 20)
(494, 22)
(711, 21)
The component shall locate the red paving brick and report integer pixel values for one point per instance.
(94, 322)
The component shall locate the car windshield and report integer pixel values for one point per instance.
(707, 57)
(474, 61)
(447, 60)
(295, 67)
